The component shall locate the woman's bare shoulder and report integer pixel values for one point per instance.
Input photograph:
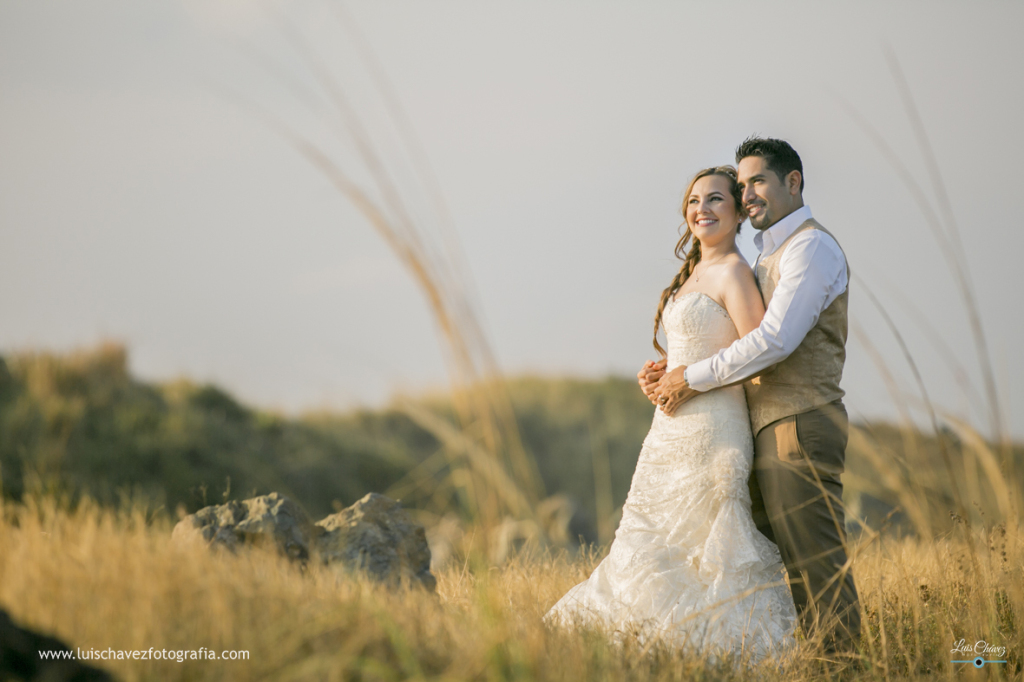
(739, 277)
(741, 295)
(737, 266)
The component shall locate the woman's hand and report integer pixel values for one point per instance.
(672, 391)
(649, 376)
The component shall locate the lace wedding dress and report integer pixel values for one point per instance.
(687, 561)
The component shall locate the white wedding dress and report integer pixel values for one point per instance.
(687, 561)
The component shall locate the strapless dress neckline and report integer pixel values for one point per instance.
(679, 297)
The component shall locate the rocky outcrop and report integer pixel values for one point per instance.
(377, 536)
(374, 536)
(269, 520)
(20, 658)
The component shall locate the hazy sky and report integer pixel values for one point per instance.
(141, 201)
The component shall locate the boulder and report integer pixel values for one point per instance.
(376, 535)
(20, 658)
(268, 520)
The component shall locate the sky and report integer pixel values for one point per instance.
(145, 199)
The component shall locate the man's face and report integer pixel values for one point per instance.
(766, 197)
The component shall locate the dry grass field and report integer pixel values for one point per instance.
(106, 578)
(111, 580)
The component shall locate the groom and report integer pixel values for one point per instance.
(794, 361)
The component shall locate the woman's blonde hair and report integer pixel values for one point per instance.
(691, 259)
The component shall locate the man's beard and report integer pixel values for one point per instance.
(761, 222)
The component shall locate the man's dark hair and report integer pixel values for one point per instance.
(780, 158)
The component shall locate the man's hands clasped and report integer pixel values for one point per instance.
(666, 390)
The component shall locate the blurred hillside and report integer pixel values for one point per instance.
(81, 424)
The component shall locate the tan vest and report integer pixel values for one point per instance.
(809, 377)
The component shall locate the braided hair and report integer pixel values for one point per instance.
(692, 257)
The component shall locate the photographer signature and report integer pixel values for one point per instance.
(978, 650)
(979, 647)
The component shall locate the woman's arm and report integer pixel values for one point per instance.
(742, 298)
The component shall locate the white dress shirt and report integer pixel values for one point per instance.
(812, 273)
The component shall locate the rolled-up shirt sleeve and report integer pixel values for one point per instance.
(812, 273)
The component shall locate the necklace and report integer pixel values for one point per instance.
(696, 277)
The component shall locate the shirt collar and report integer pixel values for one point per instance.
(768, 240)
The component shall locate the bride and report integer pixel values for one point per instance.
(687, 562)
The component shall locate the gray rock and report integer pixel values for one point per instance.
(269, 520)
(374, 536)
(377, 536)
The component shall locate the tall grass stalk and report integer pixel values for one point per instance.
(492, 478)
(943, 226)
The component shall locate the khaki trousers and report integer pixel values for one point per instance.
(796, 497)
